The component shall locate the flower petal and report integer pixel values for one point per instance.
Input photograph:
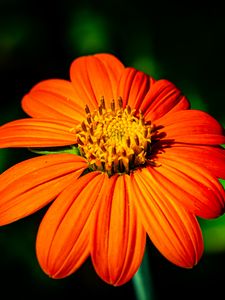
(37, 133)
(190, 185)
(118, 239)
(211, 158)
(133, 86)
(30, 185)
(191, 126)
(163, 97)
(172, 229)
(55, 99)
(94, 77)
(63, 236)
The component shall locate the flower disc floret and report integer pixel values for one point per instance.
(114, 140)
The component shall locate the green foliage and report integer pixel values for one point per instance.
(88, 32)
(54, 150)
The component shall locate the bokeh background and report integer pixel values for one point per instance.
(183, 42)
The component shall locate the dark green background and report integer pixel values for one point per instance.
(183, 42)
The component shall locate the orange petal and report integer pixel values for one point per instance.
(94, 77)
(55, 99)
(163, 97)
(63, 237)
(189, 184)
(211, 158)
(133, 87)
(191, 126)
(37, 133)
(173, 230)
(118, 239)
(30, 185)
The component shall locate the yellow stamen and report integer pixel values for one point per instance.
(114, 140)
(84, 126)
(113, 105)
(87, 110)
(120, 102)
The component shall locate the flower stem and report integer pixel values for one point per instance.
(142, 281)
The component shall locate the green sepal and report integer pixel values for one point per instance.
(54, 150)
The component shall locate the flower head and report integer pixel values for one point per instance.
(132, 158)
(114, 140)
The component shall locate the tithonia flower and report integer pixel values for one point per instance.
(128, 158)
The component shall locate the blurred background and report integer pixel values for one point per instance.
(183, 43)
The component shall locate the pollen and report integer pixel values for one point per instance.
(115, 139)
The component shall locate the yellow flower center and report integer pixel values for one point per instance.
(114, 140)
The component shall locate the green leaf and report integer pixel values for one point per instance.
(54, 150)
(214, 234)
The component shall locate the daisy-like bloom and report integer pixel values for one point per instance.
(132, 159)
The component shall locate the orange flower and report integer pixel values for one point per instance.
(137, 161)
